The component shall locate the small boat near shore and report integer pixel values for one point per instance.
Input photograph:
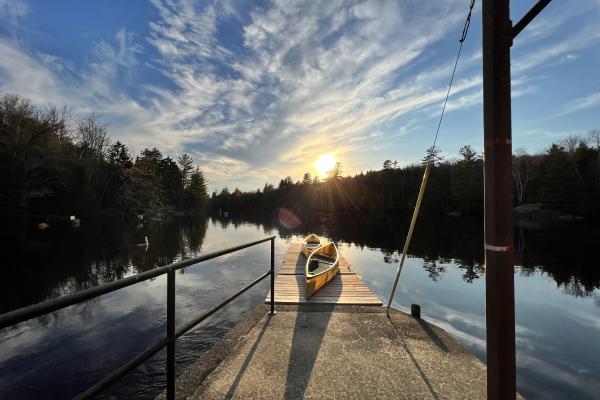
(310, 243)
(321, 267)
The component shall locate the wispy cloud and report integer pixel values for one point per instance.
(305, 75)
(253, 90)
(10, 13)
(581, 103)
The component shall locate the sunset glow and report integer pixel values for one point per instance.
(325, 164)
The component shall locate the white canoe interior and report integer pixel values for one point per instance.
(322, 259)
(321, 267)
(310, 243)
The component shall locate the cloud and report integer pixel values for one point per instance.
(11, 11)
(579, 104)
(299, 77)
(253, 90)
(556, 53)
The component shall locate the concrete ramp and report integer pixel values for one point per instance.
(337, 352)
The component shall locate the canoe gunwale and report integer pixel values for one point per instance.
(334, 263)
(307, 247)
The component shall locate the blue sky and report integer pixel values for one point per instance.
(255, 91)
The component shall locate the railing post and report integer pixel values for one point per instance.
(171, 335)
(272, 312)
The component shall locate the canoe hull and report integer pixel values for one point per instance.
(313, 284)
(306, 244)
(315, 281)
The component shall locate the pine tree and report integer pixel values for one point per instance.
(432, 155)
(467, 181)
(186, 165)
(118, 155)
(336, 172)
(306, 179)
(198, 190)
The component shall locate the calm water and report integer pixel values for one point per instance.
(556, 282)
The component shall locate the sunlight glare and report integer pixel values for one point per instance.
(325, 164)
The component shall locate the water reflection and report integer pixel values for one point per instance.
(60, 260)
(566, 252)
(556, 287)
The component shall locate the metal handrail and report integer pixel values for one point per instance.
(25, 313)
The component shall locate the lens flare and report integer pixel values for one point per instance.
(288, 219)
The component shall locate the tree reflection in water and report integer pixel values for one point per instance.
(60, 260)
(50, 263)
(566, 252)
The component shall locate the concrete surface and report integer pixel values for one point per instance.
(335, 352)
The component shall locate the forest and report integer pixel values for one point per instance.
(565, 179)
(54, 164)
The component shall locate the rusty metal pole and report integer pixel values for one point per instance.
(500, 299)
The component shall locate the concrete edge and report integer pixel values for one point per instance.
(323, 307)
(187, 383)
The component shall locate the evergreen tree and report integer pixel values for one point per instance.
(467, 182)
(432, 155)
(468, 154)
(336, 172)
(145, 181)
(306, 180)
(198, 190)
(170, 181)
(186, 164)
(558, 179)
(118, 156)
(286, 183)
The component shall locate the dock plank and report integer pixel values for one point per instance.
(345, 288)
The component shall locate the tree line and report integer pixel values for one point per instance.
(565, 178)
(52, 163)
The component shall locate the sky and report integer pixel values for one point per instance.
(256, 91)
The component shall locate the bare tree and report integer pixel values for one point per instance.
(92, 138)
(525, 169)
(594, 141)
(571, 143)
(15, 112)
(594, 138)
(58, 121)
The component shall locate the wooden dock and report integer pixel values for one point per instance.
(346, 288)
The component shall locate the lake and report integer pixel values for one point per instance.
(557, 281)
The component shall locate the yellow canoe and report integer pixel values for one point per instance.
(310, 243)
(321, 267)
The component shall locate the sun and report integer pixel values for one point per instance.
(325, 163)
